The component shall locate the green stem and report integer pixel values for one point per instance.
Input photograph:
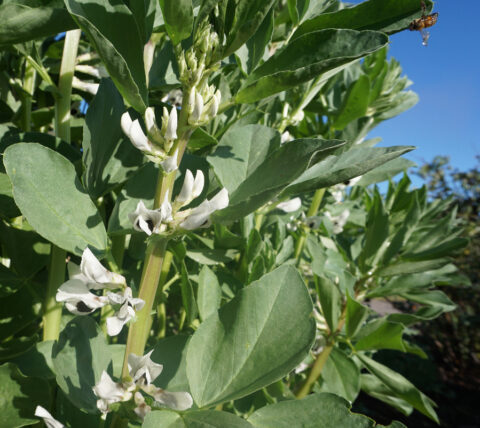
(56, 273)
(314, 206)
(29, 87)
(52, 311)
(315, 371)
(138, 333)
(156, 249)
(62, 105)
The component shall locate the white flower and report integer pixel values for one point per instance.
(142, 407)
(91, 88)
(170, 163)
(146, 220)
(126, 312)
(109, 392)
(217, 97)
(78, 299)
(151, 124)
(173, 400)
(192, 187)
(197, 108)
(338, 221)
(171, 132)
(200, 216)
(286, 137)
(166, 208)
(142, 369)
(352, 181)
(290, 206)
(312, 222)
(92, 272)
(134, 132)
(48, 419)
(337, 192)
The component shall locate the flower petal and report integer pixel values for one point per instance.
(48, 419)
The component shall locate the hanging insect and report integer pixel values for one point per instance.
(425, 21)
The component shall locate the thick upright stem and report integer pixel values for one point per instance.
(320, 361)
(29, 87)
(155, 255)
(313, 210)
(52, 311)
(56, 274)
(138, 333)
(62, 105)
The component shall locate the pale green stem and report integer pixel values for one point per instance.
(29, 87)
(56, 274)
(155, 254)
(320, 361)
(52, 311)
(138, 333)
(315, 205)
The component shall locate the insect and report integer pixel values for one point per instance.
(425, 21)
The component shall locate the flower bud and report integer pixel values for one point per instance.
(170, 163)
(191, 60)
(134, 132)
(171, 131)
(198, 108)
(151, 124)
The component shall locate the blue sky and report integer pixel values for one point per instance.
(446, 76)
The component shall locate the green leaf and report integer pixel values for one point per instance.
(386, 171)
(374, 387)
(254, 169)
(27, 250)
(8, 209)
(248, 17)
(188, 297)
(209, 293)
(339, 168)
(388, 16)
(9, 282)
(355, 315)
(355, 103)
(113, 31)
(399, 385)
(20, 396)
(79, 357)
(323, 52)
(109, 157)
(330, 301)
(381, 334)
(325, 409)
(17, 312)
(178, 17)
(341, 376)
(57, 206)
(37, 362)
(252, 52)
(375, 235)
(194, 419)
(402, 267)
(171, 352)
(254, 340)
(22, 22)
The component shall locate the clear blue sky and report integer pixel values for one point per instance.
(446, 76)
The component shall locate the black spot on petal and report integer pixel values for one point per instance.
(82, 307)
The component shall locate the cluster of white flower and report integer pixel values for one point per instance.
(338, 221)
(158, 143)
(91, 275)
(143, 371)
(338, 190)
(169, 216)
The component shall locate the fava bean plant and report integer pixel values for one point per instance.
(191, 232)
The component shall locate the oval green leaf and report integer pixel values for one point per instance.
(51, 197)
(253, 341)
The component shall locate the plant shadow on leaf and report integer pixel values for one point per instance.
(76, 365)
